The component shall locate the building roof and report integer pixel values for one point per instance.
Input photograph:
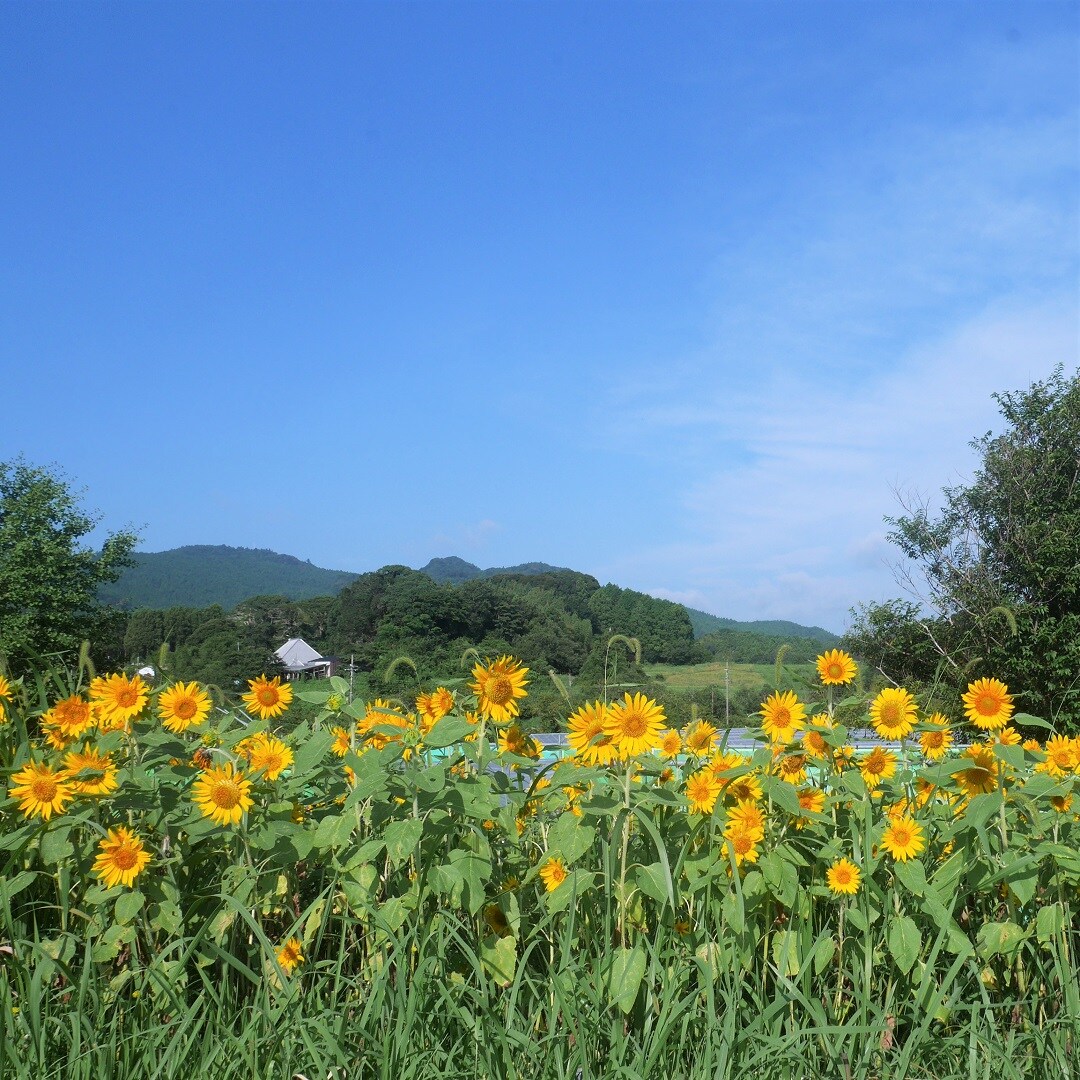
(296, 654)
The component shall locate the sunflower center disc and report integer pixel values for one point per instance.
(226, 796)
(44, 789)
(125, 858)
(500, 691)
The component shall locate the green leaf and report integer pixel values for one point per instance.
(1027, 720)
(128, 905)
(55, 845)
(784, 795)
(999, 938)
(312, 750)
(981, 809)
(904, 942)
(498, 955)
(10, 887)
(1049, 923)
(570, 837)
(1011, 755)
(785, 951)
(857, 919)
(449, 730)
(402, 839)
(912, 875)
(824, 951)
(625, 975)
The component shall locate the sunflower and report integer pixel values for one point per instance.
(981, 777)
(5, 689)
(434, 706)
(879, 764)
(741, 844)
(267, 698)
(724, 762)
(121, 858)
(634, 725)
(67, 720)
(813, 740)
(553, 873)
(988, 704)
(936, 739)
(182, 706)
(1061, 803)
(118, 698)
(782, 715)
(585, 734)
(42, 791)
(844, 877)
(341, 743)
(670, 744)
(90, 772)
(745, 788)
(903, 839)
(289, 955)
(1061, 758)
(702, 791)
(513, 740)
(270, 756)
(836, 668)
(746, 815)
(811, 801)
(892, 713)
(498, 685)
(700, 738)
(222, 794)
(792, 768)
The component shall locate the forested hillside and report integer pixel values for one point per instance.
(704, 623)
(201, 574)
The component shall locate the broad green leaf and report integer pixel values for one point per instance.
(1049, 923)
(1002, 938)
(1027, 720)
(1011, 755)
(402, 839)
(784, 795)
(912, 875)
(904, 942)
(824, 951)
(10, 887)
(785, 951)
(570, 837)
(449, 730)
(498, 955)
(981, 808)
(625, 975)
(56, 846)
(128, 905)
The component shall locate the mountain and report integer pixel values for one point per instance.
(454, 570)
(704, 623)
(200, 575)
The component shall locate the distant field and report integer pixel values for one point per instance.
(743, 676)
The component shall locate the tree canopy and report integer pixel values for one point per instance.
(997, 569)
(48, 577)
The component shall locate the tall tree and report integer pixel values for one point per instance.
(998, 568)
(48, 577)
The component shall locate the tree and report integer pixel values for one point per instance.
(998, 568)
(48, 578)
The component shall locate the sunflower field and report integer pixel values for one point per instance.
(203, 888)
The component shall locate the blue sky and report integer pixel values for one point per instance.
(678, 295)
